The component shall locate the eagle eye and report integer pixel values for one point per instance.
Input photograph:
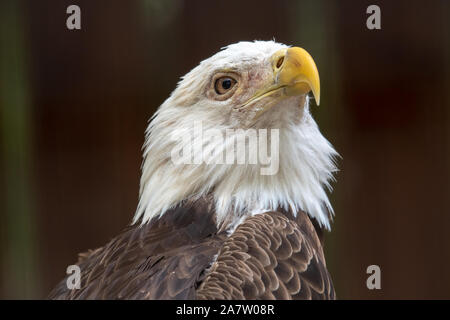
(280, 62)
(224, 84)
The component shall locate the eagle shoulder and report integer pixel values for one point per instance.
(164, 259)
(270, 256)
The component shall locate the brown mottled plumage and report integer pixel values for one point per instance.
(270, 256)
(183, 255)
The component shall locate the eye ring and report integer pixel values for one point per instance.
(224, 84)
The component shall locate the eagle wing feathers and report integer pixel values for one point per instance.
(270, 256)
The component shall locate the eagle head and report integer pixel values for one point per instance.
(237, 131)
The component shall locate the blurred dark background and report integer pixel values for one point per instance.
(74, 106)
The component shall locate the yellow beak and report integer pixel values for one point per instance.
(297, 72)
(294, 73)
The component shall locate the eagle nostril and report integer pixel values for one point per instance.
(280, 62)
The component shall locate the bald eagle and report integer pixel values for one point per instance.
(219, 226)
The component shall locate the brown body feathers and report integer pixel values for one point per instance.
(182, 255)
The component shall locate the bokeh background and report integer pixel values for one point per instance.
(74, 106)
